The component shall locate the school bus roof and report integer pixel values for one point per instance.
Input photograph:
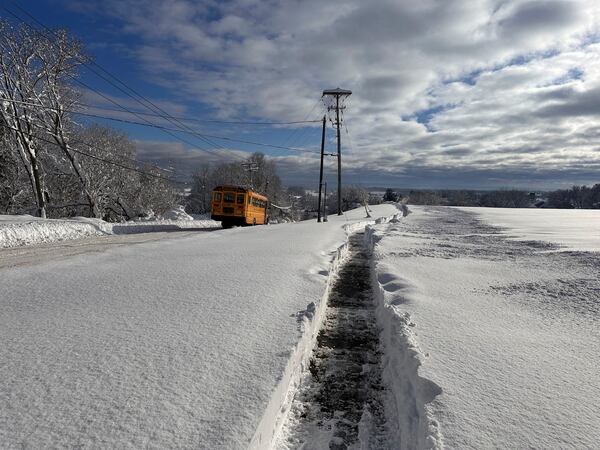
(240, 189)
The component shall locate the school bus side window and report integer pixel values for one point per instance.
(217, 196)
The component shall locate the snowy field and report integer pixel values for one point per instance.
(572, 229)
(176, 343)
(504, 332)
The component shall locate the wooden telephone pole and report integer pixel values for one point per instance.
(321, 171)
(250, 167)
(338, 94)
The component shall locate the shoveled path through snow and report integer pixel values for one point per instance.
(339, 404)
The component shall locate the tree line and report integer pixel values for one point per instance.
(50, 165)
(257, 173)
(578, 197)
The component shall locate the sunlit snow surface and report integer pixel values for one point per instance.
(176, 343)
(508, 329)
(572, 229)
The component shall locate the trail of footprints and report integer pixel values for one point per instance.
(344, 382)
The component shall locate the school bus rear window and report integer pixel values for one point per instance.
(228, 197)
(240, 199)
(217, 196)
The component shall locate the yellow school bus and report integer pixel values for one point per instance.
(235, 205)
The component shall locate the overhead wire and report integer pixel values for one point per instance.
(164, 115)
(161, 127)
(191, 119)
(80, 140)
(104, 160)
(305, 118)
(352, 149)
(137, 96)
(161, 112)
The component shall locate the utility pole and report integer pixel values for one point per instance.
(338, 93)
(321, 172)
(325, 204)
(250, 167)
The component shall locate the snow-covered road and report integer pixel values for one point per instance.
(54, 251)
(164, 344)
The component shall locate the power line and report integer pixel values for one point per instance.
(43, 128)
(152, 125)
(85, 63)
(303, 137)
(196, 133)
(114, 163)
(145, 102)
(191, 119)
(305, 118)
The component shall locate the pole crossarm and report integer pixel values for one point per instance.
(337, 91)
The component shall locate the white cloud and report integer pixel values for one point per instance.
(525, 95)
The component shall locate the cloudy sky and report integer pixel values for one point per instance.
(446, 93)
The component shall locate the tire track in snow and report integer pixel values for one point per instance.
(58, 250)
(340, 402)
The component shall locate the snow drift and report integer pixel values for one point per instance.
(410, 425)
(28, 230)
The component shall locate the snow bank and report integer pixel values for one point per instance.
(28, 230)
(281, 399)
(177, 213)
(409, 423)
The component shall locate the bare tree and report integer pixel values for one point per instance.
(352, 197)
(264, 180)
(34, 72)
(20, 78)
(109, 154)
(15, 192)
(59, 58)
(154, 194)
(198, 202)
